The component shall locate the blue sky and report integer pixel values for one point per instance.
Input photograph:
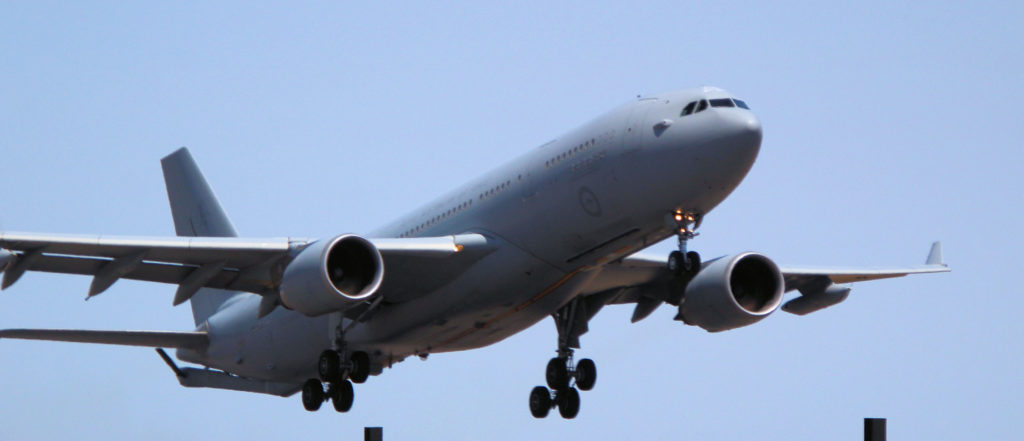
(887, 125)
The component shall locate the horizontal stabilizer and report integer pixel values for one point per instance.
(166, 339)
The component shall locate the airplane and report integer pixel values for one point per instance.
(554, 233)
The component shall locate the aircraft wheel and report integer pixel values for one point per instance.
(360, 367)
(568, 403)
(342, 396)
(540, 402)
(675, 262)
(692, 263)
(312, 395)
(329, 366)
(557, 374)
(586, 374)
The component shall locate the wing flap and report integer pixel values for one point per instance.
(146, 271)
(162, 339)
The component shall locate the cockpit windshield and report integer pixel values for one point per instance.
(700, 105)
(722, 102)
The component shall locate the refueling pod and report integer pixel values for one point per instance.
(332, 275)
(816, 300)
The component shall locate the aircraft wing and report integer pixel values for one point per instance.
(165, 339)
(238, 264)
(646, 281)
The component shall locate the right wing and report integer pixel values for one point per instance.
(645, 281)
(238, 264)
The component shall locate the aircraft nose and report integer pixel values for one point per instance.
(746, 127)
(742, 134)
(739, 138)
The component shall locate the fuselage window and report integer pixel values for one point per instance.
(721, 102)
(688, 109)
(701, 106)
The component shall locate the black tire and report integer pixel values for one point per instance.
(540, 402)
(557, 374)
(676, 262)
(568, 403)
(692, 263)
(360, 367)
(586, 374)
(312, 395)
(342, 396)
(329, 366)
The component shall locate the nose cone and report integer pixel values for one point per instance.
(731, 154)
(740, 136)
(745, 128)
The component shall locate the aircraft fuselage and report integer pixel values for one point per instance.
(600, 192)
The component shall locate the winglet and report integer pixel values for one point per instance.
(935, 256)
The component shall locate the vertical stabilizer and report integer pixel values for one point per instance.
(196, 212)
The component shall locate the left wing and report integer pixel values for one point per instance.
(158, 339)
(646, 281)
(237, 264)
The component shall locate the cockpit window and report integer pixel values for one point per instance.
(721, 102)
(688, 109)
(741, 104)
(702, 105)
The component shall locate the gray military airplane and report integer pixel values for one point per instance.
(551, 234)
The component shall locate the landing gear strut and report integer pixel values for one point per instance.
(685, 263)
(331, 368)
(563, 376)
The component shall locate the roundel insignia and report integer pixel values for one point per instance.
(589, 202)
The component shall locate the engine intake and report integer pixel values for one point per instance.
(733, 292)
(332, 275)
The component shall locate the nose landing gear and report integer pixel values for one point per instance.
(685, 263)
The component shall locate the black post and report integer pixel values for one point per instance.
(874, 429)
(377, 434)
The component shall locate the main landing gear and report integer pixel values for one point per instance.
(338, 376)
(565, 378)
(683, 263)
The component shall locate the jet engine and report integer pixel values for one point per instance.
(332, 275)
(732, 292)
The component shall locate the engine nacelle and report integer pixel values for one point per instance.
(732, 292)
(332, 275)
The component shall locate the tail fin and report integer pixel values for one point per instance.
(196, 212)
